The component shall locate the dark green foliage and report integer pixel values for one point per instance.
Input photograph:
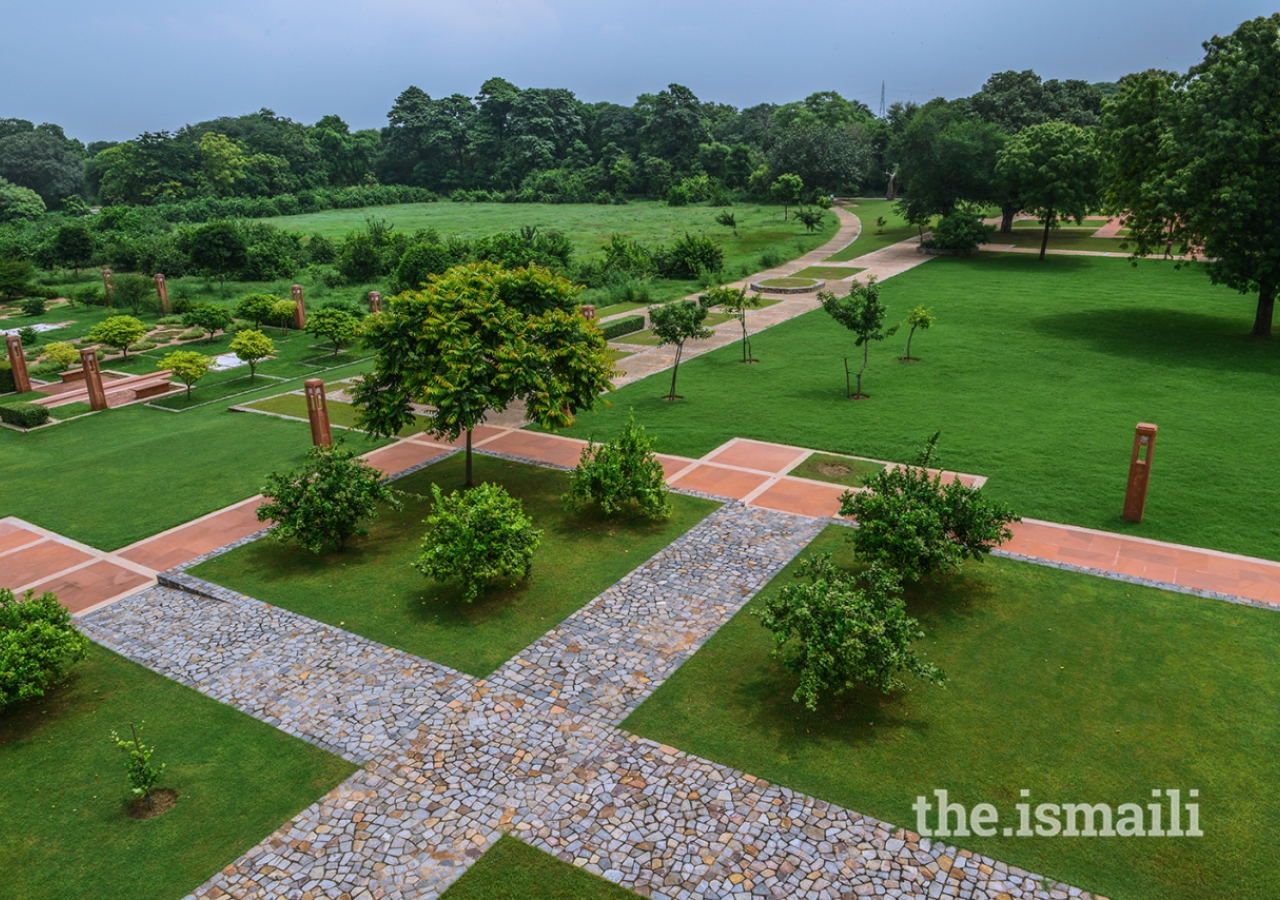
(208, 317)
(622, 475)
(476, 535)
(839, 630)
(137, 293)
(6, 377)
(38, 640)
(30, 337)
(912, 523)
(811, 219)
(33, 306)
(620, 326)
(219, 249)
(960, 231)
(689, 256)
(326, 501)
(15, 278)
(72, 246)
(419, 262)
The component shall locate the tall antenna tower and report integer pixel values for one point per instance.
(882, 99)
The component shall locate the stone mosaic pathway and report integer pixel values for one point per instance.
(452, 762)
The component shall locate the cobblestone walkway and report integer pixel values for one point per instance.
(452, 762)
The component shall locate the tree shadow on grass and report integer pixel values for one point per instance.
(1160, 336)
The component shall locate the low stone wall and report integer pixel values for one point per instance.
(803, 289)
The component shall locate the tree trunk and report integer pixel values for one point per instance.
(675, 370)
(1006, 219)
(1044, 244)
(847, 393)
(468, 477)
(866, 350)
(906, 354)
(1266, 307)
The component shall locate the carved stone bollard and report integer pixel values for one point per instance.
(162, 291)
(299, 308)
(1135, 495)
(18, 363)
(375, 302)
(318, 413)
(109, 285)
(93, 379)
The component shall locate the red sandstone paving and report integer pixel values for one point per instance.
(542, 447)
(91, 585)
(719, 481)
(403, 455)
(14, 536)
(189, 541)
(806, 498)
(757, 455)
(33, 562)
(478, 434)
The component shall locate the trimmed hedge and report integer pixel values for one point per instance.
(619, 327)
(6, 378)
(24, 415)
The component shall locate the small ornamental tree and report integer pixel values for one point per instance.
(334, 324)
(475, 536)
(188, 366)
(137, 293)
(140, 773)
(62, 354)
(735, 302)
(863, 314)
(326, 501)
(922, 318)
(837, 631)
(675, 323)
(811, 219)
(38, 641)
(787, 190)
(209, 318)
(909, 521)
(118, 332)
(259, 308)
(621, 476)
(252, 347)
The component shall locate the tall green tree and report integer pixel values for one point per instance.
(1194, 161)
(72, 246)
(461, 348)
(219, 249)
(1054, 167)
(861, 312)
(944, 160)
(673, 324)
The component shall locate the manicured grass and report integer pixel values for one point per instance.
(616, 355)
(512, 870)
(1078, 689)
(372, 589)
(123, 474)
(1068, 236)
(618, 308)
(65, 832)
(339, 413)
(649, 339)
(826, 467)
(1036, 374)
(240, 382)
(829, 273)
(868, 241)
(789, 281)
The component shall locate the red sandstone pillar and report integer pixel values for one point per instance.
(162, 291)
(588, 312)
(1135, 495)
(318, 413)
(18, 362)
(375, 302)
(109, 286)
(299, 308)
(93, 379)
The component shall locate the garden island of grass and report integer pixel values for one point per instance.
(715, 502)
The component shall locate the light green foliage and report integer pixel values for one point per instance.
(209, 318)
(921, 317)
(282, 312)
(139, 771)
(136, 292)
(19, 204)
(252, 347)
(836, 631)
(475, 536)
(736, 302)
(118, 332)
(334, 324)
(811, 219)
(188, 366)
(622, 475)
(862, 313)
(460, 347)
(326, 501)
(675, 323)
(912, 523)
(62, 353)
(787, 190)
(1054, 169)
(38, 640)
(259, 308)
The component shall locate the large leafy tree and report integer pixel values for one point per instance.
(477, 339)
(219, 249)
(944, 160)
(1194, 160)
(827, 158)
(1054, 168)
(44, 162)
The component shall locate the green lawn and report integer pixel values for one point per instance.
(648, 339)
(512, 870)
(827, 467)
(1078, 689)
(65, 833)
(868, 210)
(372, 589)
(121, 475)
(1036, 374)
(1067, 236)
(829, 273)
(339, 413)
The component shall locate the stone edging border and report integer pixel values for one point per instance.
(818, 284)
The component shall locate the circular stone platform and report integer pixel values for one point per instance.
(788, 284)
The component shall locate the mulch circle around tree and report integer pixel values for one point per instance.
(161, 802)
(833, 470)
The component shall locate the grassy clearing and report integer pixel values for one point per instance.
(873, 238)
(1067, 236)
(372, 589)
(1074, 688)
(65, 832)
(837, 469)
(343, 414)
(1036, 374)
(123, 474)
(829, 273)
(512, 870)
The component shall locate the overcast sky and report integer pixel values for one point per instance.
(109, 70)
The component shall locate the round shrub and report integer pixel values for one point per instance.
(62, 353)
(959, 232)
(38, 640)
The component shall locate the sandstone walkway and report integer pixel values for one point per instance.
(452, 762)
